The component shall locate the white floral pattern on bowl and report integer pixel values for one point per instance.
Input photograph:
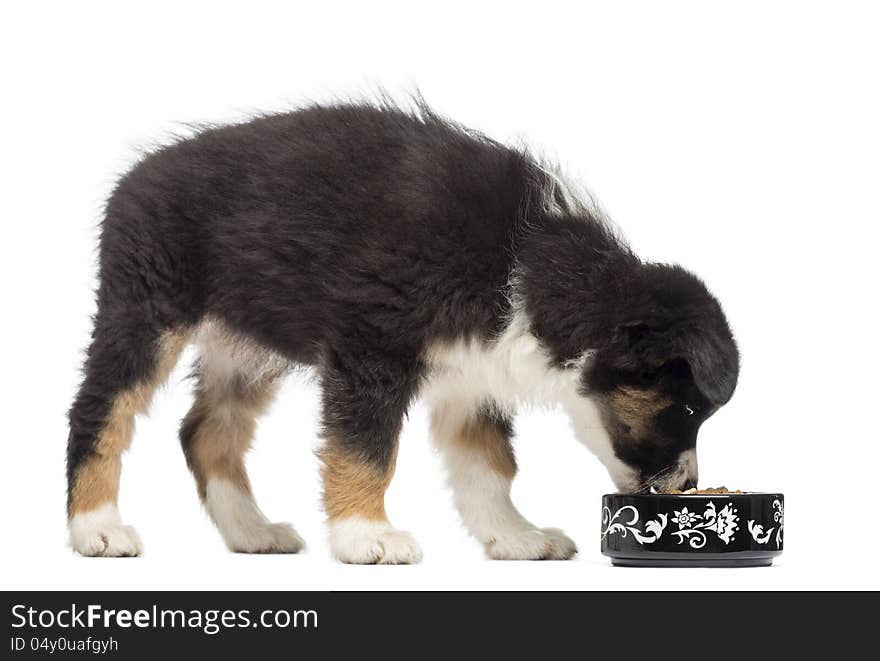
(691, 525)
(724, 524)
(611, 525)
(760, 535)
(685, 519)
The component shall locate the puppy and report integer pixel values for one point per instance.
(398, 255)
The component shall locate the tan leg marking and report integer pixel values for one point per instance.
(97, 479)
(354, 499)
(353, 487)
(480, 436)
(224, 421)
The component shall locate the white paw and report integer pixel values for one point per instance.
(101, 533)
(268, 538)
(243, 526)
(531, 544)
(362, 542)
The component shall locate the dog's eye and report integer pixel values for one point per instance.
(688, 410)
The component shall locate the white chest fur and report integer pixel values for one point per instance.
(508, 371)
(512, 370)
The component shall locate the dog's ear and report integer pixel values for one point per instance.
(710, 352)
(713, 360)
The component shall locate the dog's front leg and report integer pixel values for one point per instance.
(475, 445)
(364, 400)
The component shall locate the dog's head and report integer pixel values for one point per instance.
(667, 366)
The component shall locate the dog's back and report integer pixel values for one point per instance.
(302, 226)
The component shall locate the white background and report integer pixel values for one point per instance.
(739, 140)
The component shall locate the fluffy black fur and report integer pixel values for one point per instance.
(351, 237)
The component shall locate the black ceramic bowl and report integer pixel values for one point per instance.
(701, 530)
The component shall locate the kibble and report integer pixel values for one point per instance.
(694, 491)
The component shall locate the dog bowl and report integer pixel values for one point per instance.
(699, 530)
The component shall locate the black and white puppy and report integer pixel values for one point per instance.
(398, 255)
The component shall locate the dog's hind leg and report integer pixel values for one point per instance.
(475, 446)
(126, 362)
(236, 382)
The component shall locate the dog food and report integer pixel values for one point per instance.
(695, 491)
